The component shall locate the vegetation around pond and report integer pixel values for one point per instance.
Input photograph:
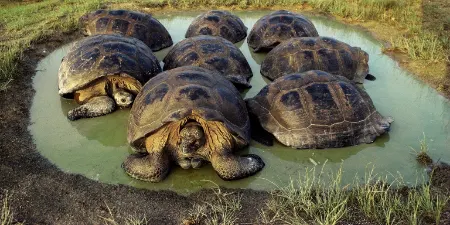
(420, 31)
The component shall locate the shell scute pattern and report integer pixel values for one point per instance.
(128, 23)
(272, 29)
(183, 91)
(316, 53)
(213, 53)
(218, 23)
(103, 55)
(317, 110)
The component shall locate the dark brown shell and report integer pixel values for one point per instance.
(272, 29)
(129, 23)
(218, 23)
(317, 110)
(213, 53)
(102, 55)
(298, 55)
(175, 94)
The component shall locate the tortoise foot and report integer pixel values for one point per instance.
(237, 167)
(152, 167)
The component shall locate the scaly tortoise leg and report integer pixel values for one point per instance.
(227, 165)
(96, 106)
(232, 167)
(153, 167)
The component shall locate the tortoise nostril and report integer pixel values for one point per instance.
(123, 100)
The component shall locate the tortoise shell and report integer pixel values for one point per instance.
(102, 55)
(218, 23)
(213, 53)
(298, 55)
(128, 23)
(175, 94)
(272, 29)
(316, 109)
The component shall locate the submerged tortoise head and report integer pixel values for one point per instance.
(213, 53)
(128, 23)
(104, 71)
(218, 23)
(316, 109)
(298, 55)
(272, 29)
(189, 115)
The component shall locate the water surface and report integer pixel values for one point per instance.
(97, 147)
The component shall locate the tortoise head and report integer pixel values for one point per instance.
(192, 138)
(362, 68)
(123, 99)
(123, 88)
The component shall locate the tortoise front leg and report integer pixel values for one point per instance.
(155, 165)
(96, 106)
(221, 145)
(232, 167)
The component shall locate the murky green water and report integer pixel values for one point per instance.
(96, 147)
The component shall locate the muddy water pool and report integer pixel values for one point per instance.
(97, 147)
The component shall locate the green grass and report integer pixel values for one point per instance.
(25, 24)
(379, 10)
(221, 210)
(307, 200)
(416, 42)
(422, 156)
(323, 199)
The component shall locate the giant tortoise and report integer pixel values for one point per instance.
(272, 29)
(129, 23)
(316, 109)
(298, 55)
(218, 23)
(186, 116)
(213, 53)
(103, 71)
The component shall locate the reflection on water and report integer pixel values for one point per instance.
(96, 147)
(101, 129)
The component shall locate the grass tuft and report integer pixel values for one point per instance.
(421, 46)
(311, 199)
(307, 200)
(130, 220)
(6, 217)
(221, 210)
(422, 156)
